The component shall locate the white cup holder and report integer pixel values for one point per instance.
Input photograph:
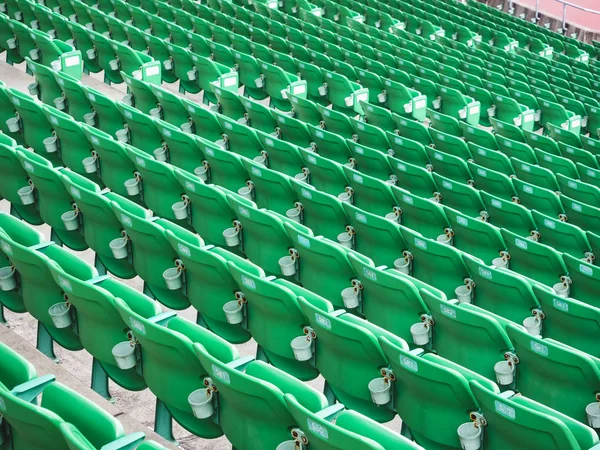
(232, 237)
(301, 177)
(124, 354)
(11, 43)
(288, 266)
(122, 135)
(393, 217)
(34, 89)
(233, 312)
(91, 54)
(60, 313)
(137, 74)
(245, 192)
(160, 154)
(302, 348)
(168, 64)
(593, 414)
(89, 164)
(505, 373)
(56, 64)
(90, 119)
(127, 99)
(463, 294)
(8, 279)
(13, 124)
(287, 445)
(345, 239)
(221, 143)
(350, 297)
(533, 325)
(382, 97)
(420, 333)
(187, 127)
(260, 159)
(192, 75)
(561, 290)
(155, 112)
(70, 220)
(34, 54)
(201, 403)
(173, 278)
(132, 186)
(349, 101)
(344, 197)
(259, 82)
(401, 265)
(322, 91)
(51, 144)
(201, 172)
(469, 436)
(444, 239)
(26, 195)
(500, 263)
(114, 64)
(293, 214)
(180, 210)
(380, 390)
(119, 249)
(462, 113)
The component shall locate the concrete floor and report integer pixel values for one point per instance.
(139, 405)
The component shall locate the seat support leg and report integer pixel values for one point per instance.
(45, 343)
(163, 422)
(100, 380)
(329, 395)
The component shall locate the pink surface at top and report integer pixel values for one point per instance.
(576, 17)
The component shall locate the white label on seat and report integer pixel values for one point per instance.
(419, 104)
(209, 151)
(447, 184)
(228, 125)
(166, 132)
(485, 273)
(408, 199)
(75, 192)
(474, 109)
(16, 101)
(65, 284)
(244, 211)
(183, 249)
(126, 220)
(6, 248)
(528, 118)
(311, 159)
(318, 429)
(306, 193)
(72, 61)
(128, 114)
(576, 207)
(140, 162)
(248, 282)
(591, 173)
(191, 109)
(586, 270)
(319, 134)
(504, 409)
(221, 374)
(299, 89)
(54, 120)
(323, 321)
(359, 150)
(538, 348)
(421, 243)
(575, 123)
(521, 243)
(137, 325)
(560, 304)
(399, 141)
(482, 172)
(447, 311)
(572, 184)
(256, 171)
(269, 142)
(409, 364)
(361, 217)
(358, 178)
(191, 186)
(304, 242)
(528, 189)
(369, 274)
(401, 167)
(438, 156)
(462, 221)
(360, 126)
(281, 119)
(549, 223)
